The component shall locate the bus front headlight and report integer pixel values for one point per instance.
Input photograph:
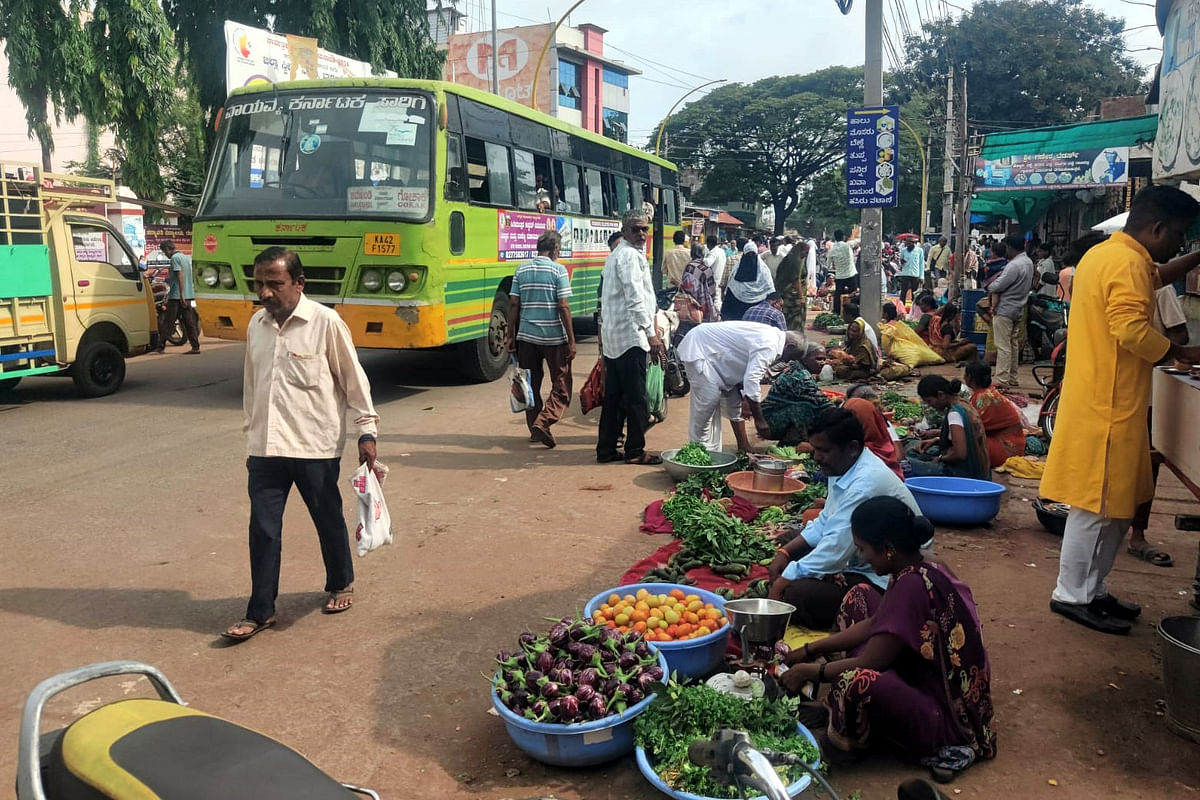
(396, 282)
(372, 281)
(210, 276)
(226, 277)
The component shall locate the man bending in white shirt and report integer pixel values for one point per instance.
(301, 374)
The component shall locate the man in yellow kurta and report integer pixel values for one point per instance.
(1099, 458)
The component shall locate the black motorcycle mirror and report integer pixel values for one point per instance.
(1049, 278)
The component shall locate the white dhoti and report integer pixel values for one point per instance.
(706, 398)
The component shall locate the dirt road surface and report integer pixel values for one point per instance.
(124, 536)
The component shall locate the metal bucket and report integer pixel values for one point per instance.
(758, 621)
(1181, 664)
(769, 474)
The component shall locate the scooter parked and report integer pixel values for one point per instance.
(160, 748)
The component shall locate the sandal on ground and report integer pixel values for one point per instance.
(1152, 555)
(333, 603)
(607, 459)
(254, 626)
(645, 459)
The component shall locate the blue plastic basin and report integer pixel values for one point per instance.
(643, 762)
(690, 658)
(956, 501)
(579, 744)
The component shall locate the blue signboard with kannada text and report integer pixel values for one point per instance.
(872, 146)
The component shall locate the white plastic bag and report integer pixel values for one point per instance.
(520, 388)
(374, 522)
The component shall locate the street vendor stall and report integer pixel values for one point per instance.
(1175, 436)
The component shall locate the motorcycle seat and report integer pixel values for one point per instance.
(156, 750)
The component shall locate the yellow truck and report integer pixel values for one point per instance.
(72, 299)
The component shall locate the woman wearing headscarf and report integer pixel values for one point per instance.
(749, 286)
(794, 400)
(857, 360)
(695, 302)
(878, 440)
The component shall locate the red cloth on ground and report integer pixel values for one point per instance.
(654, 521)
(704, 577)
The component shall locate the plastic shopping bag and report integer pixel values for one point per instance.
(656, 394)
(520, 388)
(592, 394)
(374, 522)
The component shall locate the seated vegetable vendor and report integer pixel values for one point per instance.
(857, 359)
(1002, 423)
(725, 362)
(814, 570)
(793, 401)
(941, 329)
(959, 447)
(915, 675)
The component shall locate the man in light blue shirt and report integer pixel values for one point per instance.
(912, 269)
(181, 292)
(814, 570)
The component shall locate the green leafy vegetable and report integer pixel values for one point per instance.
(681, 715)
(712, 536)
(789, 453)
(901, 407)
(770, 516)
(694, 454)
(826, 320)
(805, 498)
(697, 483)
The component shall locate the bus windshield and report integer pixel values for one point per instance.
(332, 153)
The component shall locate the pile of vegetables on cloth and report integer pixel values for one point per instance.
(826, 320)
(681, 715)
(577, 672)
(903, 409)
(693, 454)
(671, 617)
(726, 545)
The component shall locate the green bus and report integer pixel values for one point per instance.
(411, 203)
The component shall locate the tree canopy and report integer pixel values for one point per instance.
(762, 141)
(1029, 63)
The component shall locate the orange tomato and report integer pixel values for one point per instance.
(657, 613)
(678, 594)
(683, 629)
(640, 626)
(613, 599)
(642, 605)
(703, 631)
(639, 616)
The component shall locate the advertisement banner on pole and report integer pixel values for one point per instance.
(871, 156)
(254, 55)
(1081, 169)
(469, 62)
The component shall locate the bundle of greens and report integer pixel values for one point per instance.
(771, 515)
(696, 484)
(803, 499)
(693, 454)
(681, 715)
(901, 407)
(711, 536)
(826, 320)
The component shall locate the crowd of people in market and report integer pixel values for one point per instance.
(858, 565)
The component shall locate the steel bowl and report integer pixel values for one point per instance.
(722, 462)
(759, 620)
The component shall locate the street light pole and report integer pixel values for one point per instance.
(871, 236)
(495, 53)
(662, 127)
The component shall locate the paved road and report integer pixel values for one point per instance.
(122, 533)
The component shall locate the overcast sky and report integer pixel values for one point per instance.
(681, 45)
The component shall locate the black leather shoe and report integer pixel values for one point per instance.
(1110, 605)
(1089, 617)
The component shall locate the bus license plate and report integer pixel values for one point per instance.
(381, 244)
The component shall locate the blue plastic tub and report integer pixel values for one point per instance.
(957, 501)
(579, 744)
(970, 297)
(643, 762)
(691, 658)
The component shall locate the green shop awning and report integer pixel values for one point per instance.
(1128, 132)
(1023, 206)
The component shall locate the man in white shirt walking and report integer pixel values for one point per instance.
(725, 362)
(845, 274)
(629, 304)
(301, 374)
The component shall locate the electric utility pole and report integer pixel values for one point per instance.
(948, 161)
(966, 177)
(871, 234)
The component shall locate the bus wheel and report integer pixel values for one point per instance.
(486, 358)
(99, 369)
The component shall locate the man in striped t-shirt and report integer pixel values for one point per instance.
(539, 330)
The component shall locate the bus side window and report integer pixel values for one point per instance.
(477, 172)
(622, 194)
(670, 208)
(610, 205)
(527, 189)
(595, 192)
(547, 198)
(500, 191)
(566, 179)
(456, 184)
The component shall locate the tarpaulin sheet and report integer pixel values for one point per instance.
(1128, 132)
